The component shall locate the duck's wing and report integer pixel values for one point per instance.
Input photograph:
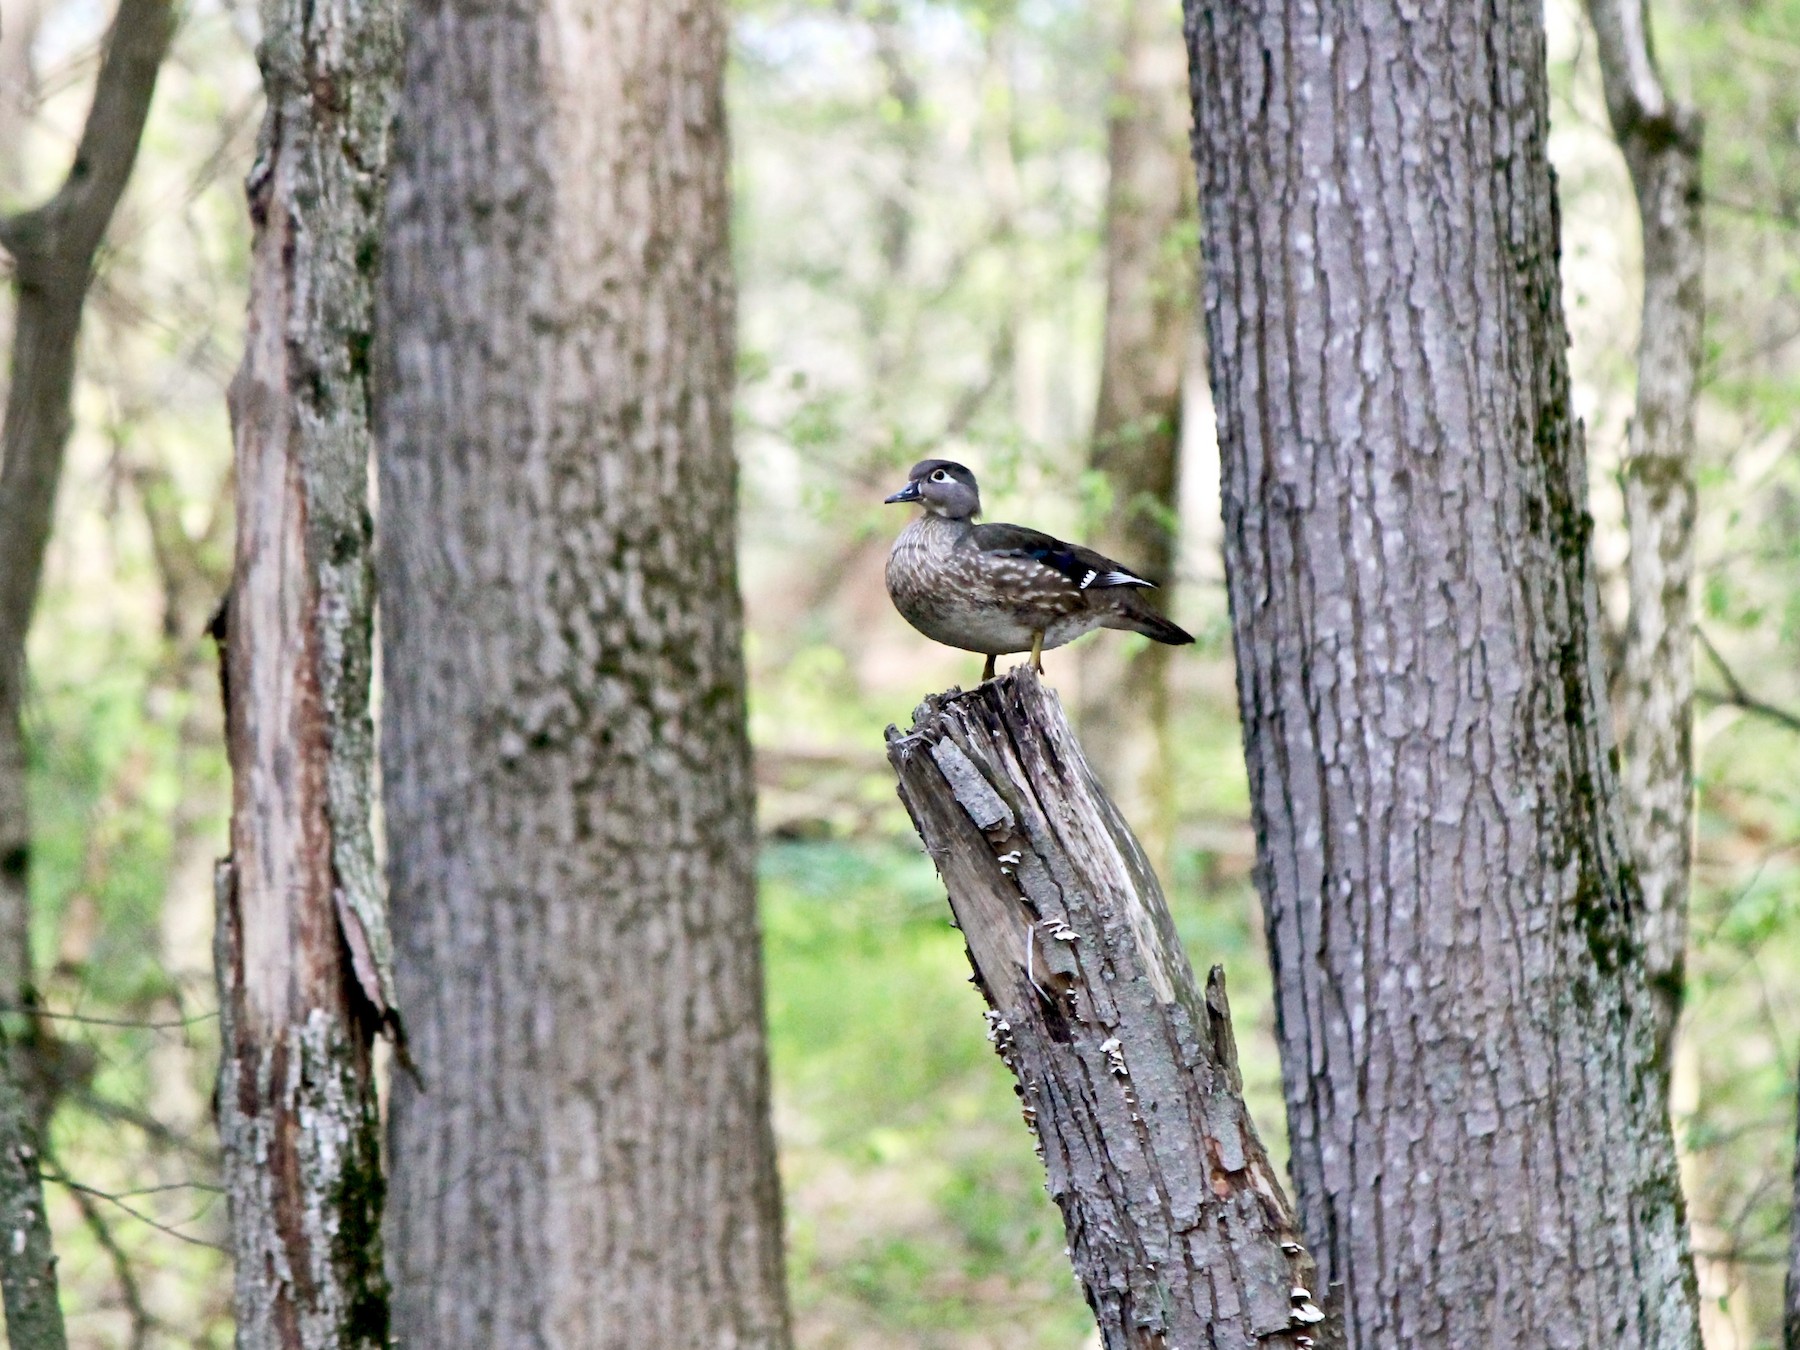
(1085, 569)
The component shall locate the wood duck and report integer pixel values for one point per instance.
(998, 588)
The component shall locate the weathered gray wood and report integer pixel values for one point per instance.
(301, 945)
(1178, 1227)
(1660, 138)
(1481, 1144)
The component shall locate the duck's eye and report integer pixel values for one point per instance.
(940, 477)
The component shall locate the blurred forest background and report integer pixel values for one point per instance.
(921, 189)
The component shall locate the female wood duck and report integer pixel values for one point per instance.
(996, 588)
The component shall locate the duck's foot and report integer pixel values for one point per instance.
(987, 671)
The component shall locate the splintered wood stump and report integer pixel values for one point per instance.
(1179, 1231)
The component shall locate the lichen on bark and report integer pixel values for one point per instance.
(302, 949)
(1481, 1146)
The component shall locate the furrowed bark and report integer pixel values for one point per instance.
(1150, 284)
(301, 944)
(565, 756)
(1481, 1143)
(1661, 141)
(1178, 1227)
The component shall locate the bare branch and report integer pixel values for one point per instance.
(1735, 695)
(69, 1184)
(129, 1293)
(56, 242)
(133, 1023)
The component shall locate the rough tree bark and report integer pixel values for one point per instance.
(1150, 283)
(34, 1318)
(301, 944)
(565, 757)
(52, 248)
(1178, 1227)
(1660, 139)
(1480, 1139)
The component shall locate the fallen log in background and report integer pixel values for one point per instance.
(1178, 1228)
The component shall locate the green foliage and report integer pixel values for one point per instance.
(916, 1203)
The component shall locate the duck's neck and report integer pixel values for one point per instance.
(934, 532)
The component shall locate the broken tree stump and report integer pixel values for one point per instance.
(1179, 1230)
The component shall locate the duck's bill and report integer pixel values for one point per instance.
(909, 493)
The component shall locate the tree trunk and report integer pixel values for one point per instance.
(1137, 421)
(34, 1318)
(1660, 139)
(1480, 1138)
(1178, 1227)
(53, 250)
(566, 764)
(301, 943)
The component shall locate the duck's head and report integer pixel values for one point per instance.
(943, 487)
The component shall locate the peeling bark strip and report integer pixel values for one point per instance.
(301, 945)
(1660, 139)
(565, 759)
(1481, 1146)
(1178, 1227)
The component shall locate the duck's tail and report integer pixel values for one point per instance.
(1137, 617)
